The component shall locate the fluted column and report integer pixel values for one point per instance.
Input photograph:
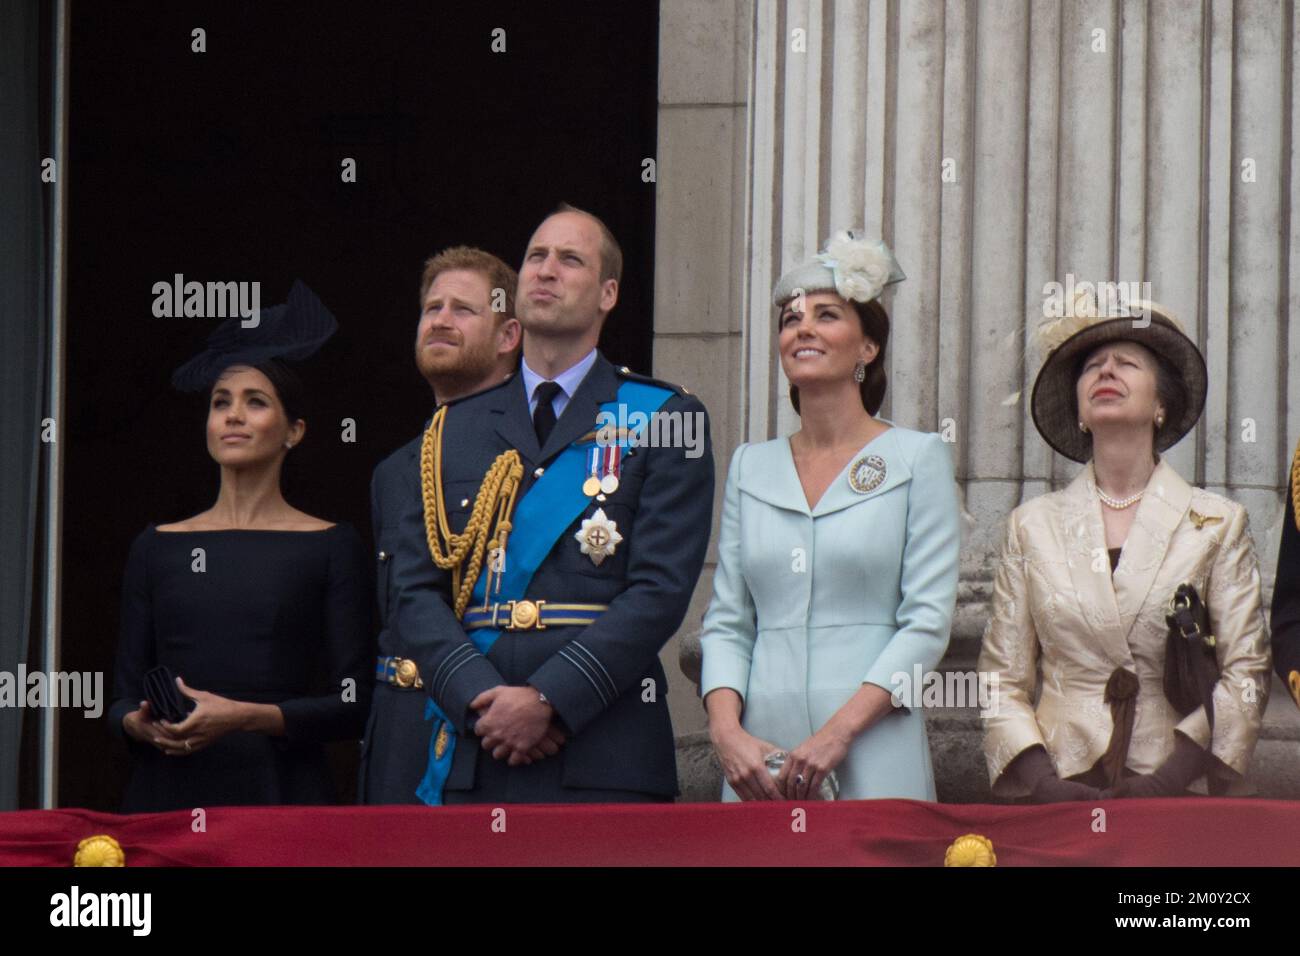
(1001, 145)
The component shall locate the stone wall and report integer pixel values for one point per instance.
(701, 250)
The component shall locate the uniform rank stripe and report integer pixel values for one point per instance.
(613, 688)
(582, 669)
(450, 658)
(442, 666)
(451, 673)
(453, 660)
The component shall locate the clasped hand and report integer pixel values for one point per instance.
(744, 764)
(211, 719)
(516, 725)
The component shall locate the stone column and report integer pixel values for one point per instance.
(700, 257)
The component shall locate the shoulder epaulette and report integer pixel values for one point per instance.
(626, 372)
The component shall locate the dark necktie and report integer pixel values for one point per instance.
(544, 414)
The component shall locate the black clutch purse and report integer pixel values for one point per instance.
(166, 702)
(1191, 668)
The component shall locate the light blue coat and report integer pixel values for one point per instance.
(809, 605)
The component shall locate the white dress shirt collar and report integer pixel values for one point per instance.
(568, 380)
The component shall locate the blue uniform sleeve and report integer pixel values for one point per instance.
(424, 625)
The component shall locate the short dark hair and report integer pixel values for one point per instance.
(286, 382)
(875, 326)
(611, 253)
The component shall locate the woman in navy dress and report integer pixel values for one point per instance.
(263, 612)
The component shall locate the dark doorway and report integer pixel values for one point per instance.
(225, 165)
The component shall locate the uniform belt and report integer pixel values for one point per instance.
(532, 615)
(398, 671)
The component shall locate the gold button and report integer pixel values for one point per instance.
(464, 502)
(383, 555)
(539, 472)
(625, 370)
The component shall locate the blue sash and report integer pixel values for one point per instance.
(540, 518)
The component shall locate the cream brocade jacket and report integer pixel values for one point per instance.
(1058, 614)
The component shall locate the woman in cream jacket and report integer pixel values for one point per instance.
(1077, 631)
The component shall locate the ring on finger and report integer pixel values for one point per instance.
(188, 748)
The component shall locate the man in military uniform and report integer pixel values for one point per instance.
(1285, 619)
(467, 342)
(538, 648)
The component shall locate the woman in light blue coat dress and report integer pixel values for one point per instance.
(837, 561)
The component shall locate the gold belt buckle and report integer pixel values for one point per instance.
(406, 674)
(524, 616)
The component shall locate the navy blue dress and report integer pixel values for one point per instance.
(274, 617)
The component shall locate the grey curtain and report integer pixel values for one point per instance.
(23, 322)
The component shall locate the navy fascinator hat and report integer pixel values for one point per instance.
(291, 332)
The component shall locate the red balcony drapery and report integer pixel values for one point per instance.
(1183, 832)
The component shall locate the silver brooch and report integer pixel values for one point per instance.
(867, 474)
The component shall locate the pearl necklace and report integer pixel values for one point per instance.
(1119, 504)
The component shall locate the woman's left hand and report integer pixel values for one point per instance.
(808, 764)
(211, 719)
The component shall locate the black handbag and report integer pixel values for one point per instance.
(1191, 668)
(166, 702)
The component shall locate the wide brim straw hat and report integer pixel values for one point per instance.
(1069, 339)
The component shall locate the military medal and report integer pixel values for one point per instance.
(591, 486)
(598, 536)
(613, 462)
(603, 464)
(867, 474)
